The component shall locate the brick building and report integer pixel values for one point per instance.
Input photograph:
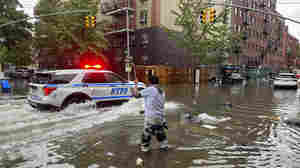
(291, 50)
(266, 37)
(262, 33)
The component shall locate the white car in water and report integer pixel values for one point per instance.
(285, 80)
(60, 88)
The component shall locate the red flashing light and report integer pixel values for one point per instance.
(49, 90)
(92, 66)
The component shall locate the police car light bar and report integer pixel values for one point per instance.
(92, 66)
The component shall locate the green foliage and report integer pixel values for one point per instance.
(3, 53)
(68, 31)
(16, 38)
(207, 42)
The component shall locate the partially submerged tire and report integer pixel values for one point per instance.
(76, 99)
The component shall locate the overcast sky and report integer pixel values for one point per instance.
(288, 8)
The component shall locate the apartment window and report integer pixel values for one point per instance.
(269, 3)
(251, 3)
(266, 18)
(144, 16)
(246, 3)
(273, 4)
(241, 12)
(235, 11)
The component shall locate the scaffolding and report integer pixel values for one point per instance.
(122, 27)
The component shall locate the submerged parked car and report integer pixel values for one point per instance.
(287, 80)
(232, 73)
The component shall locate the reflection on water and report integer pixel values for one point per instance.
(254, 136)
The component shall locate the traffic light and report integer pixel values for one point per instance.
(87, 21)
(90, 21)
(203, 16)
(93, 21)
(212, 15)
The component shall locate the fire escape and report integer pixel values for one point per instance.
(122, 28)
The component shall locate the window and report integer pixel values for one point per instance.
(143, 16)
(236, 11)
(62, 78)
(246, 3)
(251, 3)
(113, 78)
(94, 77)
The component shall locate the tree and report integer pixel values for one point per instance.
(206, 42)
(68, 31)
(15, 38)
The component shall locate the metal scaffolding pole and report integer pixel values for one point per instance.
(128, 36)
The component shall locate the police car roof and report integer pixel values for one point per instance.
(72, 71)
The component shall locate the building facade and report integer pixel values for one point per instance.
(291, 51)
(262, 34)
(142, 38)
(265, 37)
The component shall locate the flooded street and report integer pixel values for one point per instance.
(250, 134)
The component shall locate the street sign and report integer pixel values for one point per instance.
(128, 67)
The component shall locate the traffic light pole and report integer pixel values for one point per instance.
(45, 15)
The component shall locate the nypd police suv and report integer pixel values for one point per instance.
(60, 88)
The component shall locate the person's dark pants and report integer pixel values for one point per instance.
(153, 129)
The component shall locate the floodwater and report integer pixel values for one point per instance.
(250, 134)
